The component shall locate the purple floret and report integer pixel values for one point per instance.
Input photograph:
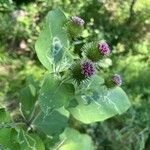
(103, 48)
(117, 80)
(87, 68)
(78, 21)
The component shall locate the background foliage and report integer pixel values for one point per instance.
(124, 24)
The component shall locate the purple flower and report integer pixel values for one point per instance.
(103, 48)
(117, 79)
(78, 21)
(87, 68)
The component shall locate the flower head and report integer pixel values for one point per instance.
(87, 68)
(103, 48)
(117, 79)
(78, 21)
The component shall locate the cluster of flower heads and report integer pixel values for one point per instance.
(94, 52)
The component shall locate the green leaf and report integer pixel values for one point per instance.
(28, 96)
(97, 103)
(8, 139)
(53, 123)
(29, 141)
(39, 145)
(5, 129)
(52, 44)
(54, 94)
(73, 140)
(5, 136)
(4, 116)
(18, 139)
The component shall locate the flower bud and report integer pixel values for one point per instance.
(96, 51)
(87, 68)
(78, 21)
(103, 48)
(117, 79)
(75, 26)
(82, 70)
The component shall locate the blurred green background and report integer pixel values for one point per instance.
(124, 24)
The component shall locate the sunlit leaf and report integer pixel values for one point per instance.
(98, 103)
(73, 140)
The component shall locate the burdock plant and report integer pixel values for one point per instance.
(46, 106)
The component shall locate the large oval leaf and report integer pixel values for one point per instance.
(52, 124)
(54, 94)
(53, 42)
(98, 103)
